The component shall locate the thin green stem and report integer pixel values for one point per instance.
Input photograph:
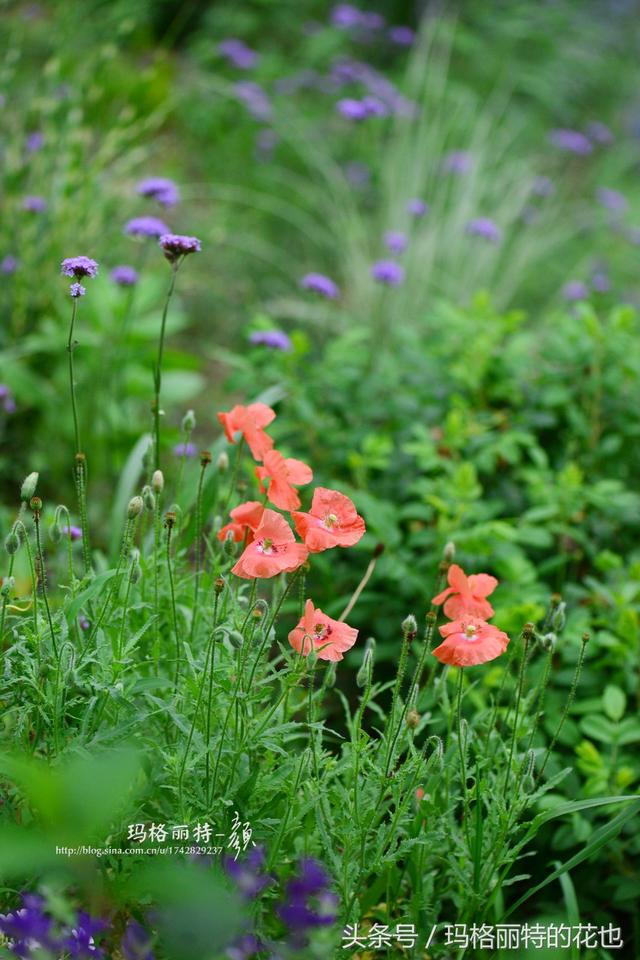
(526, 636)
(70, 348)
(169, 525)
(157, 375)
(568, 704)
(43, 579)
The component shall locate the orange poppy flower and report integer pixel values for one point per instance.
(282, 473)
(250, 422)
(246, 520)
(273, 550)
(467, 595)
(470, 641)
(329, 638)
(333, 521)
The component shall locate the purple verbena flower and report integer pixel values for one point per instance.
(185, 449)
(248, 874)
(318, 283)
(136, 943)
(34, 141)
(6, 399)
(402, 36)
(459, 162)
(417, 207)
(613, 200)
(388, 272)
(571, 140)
(275, 339)
(77, 290)
(175, 245)
(346, 16)
(255, 100)
(575, 290)
(352, 109)
(374, 107)
(485, 228)
(34, 204)
(74, 533)
(146, 227)
(124, 275)
(9, 264)
(395, 241)
(161, 189)
(238, 54)
(79, 267)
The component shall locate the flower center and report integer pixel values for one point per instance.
(266, 546)
(470, 631)
(330, 520)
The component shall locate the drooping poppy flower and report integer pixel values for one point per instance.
(333, 521)
(466, 595)
(329, 638)
(470, 641)
(282, 473)
(273, 550)
(250, 422)
(246, 520)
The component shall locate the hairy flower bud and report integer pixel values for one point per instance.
(409, 627)
(136, 570)
(29, 485)
(365, 673)
(219, 584)
(188, 422)
(449, 552)
(413, 719)
(55, 531)
(157, 481)
(548, 642)
(148, 498)
(222, 463)
(235, 638)
(559, 617)
(330, 675)
(205, 458)
(36, 504)
(135, 507)
(12, 543)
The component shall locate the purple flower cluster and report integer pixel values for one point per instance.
(136, 943)
(6, 399)
(572, 141)
(255, 100)
(612, 200)
(369, 106)
(308, 901)
(416, 207)
(34, 204)
(402, 36)
(34, 142)
(9, 264)
(30, 929)
(388, 272)
(485, 228)
(175, 245)
(395, 241)
(575, 290)
(161, 189)
(348, 17)
(77, 290)
(382, 98)
(185, 450)
(74, 533)
(318, 283)
(244, 948)
(146, 227)
(79, 267)
(238, 54)
(275, 339)
(124, 275)
(248, 874)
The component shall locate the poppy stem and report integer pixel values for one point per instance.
(463, 765)
(234, 476)
(526, 636)
(365, 580)
(567, 706)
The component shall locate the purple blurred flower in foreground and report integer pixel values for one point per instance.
(599, 133)
(9, 264)
(124, 275)
(79, 267)
(248, 874)
(308, 901)
(80, 941)
(388, 272)
(175, 246)
(346, 16)
(185, 449)
(77, 290)
(542, 187)
(318, 283)
(136, 943)
(74, 533)
(417, 207)
(613, 200)
(403, 36)
(238, 54)
(395, 241)
(161, 189)
(485, 228)
(458, 162)
(375, 107)
(255, 99)
(352, 109)
(6, 399)
(28, 928)
(34, 141)
(34, 204)
(571, 140)
(146, 227)
(575, 290)
(275, 339)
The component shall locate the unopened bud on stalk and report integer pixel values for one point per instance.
(413, 719)
(222, 463)
(548, 642)
(157, 481)
(136, 570)
(55, 531)
(219, 584)
(135, 507)
(235, 638)
(189, 422)
(36, 504)
(330, 676)
(528, 632)
(29, 485)
(148, 498)
(260, 609)
(365, 673)
(12, 543)
(312, 658)
(431, 617)
(7, 586)
(170, 519)
(229, 544)
(559, 617)
(370, 644)
(449, 552)
(413, 697)
(205, 458)
(410, 627)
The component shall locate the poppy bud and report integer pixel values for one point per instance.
(135, 507)
(528, 632)
(559, 617)
(205, 458)
(170, 519)
(148, 498)
(413, 719)
(548, 642)
(410, 627)
(157, 481)
(12, 543)
(136, 570)
(36, 504)
(219, 584)
(449, 552)
(330, 675)
(229, 544)
(261, 609)
(222, 463)
(29, 485)
(365, 673)
(235, 638)
(188, 422)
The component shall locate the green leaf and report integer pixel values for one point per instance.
(127, 485)
(95, 587)
(614, 702)
(599, 728)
